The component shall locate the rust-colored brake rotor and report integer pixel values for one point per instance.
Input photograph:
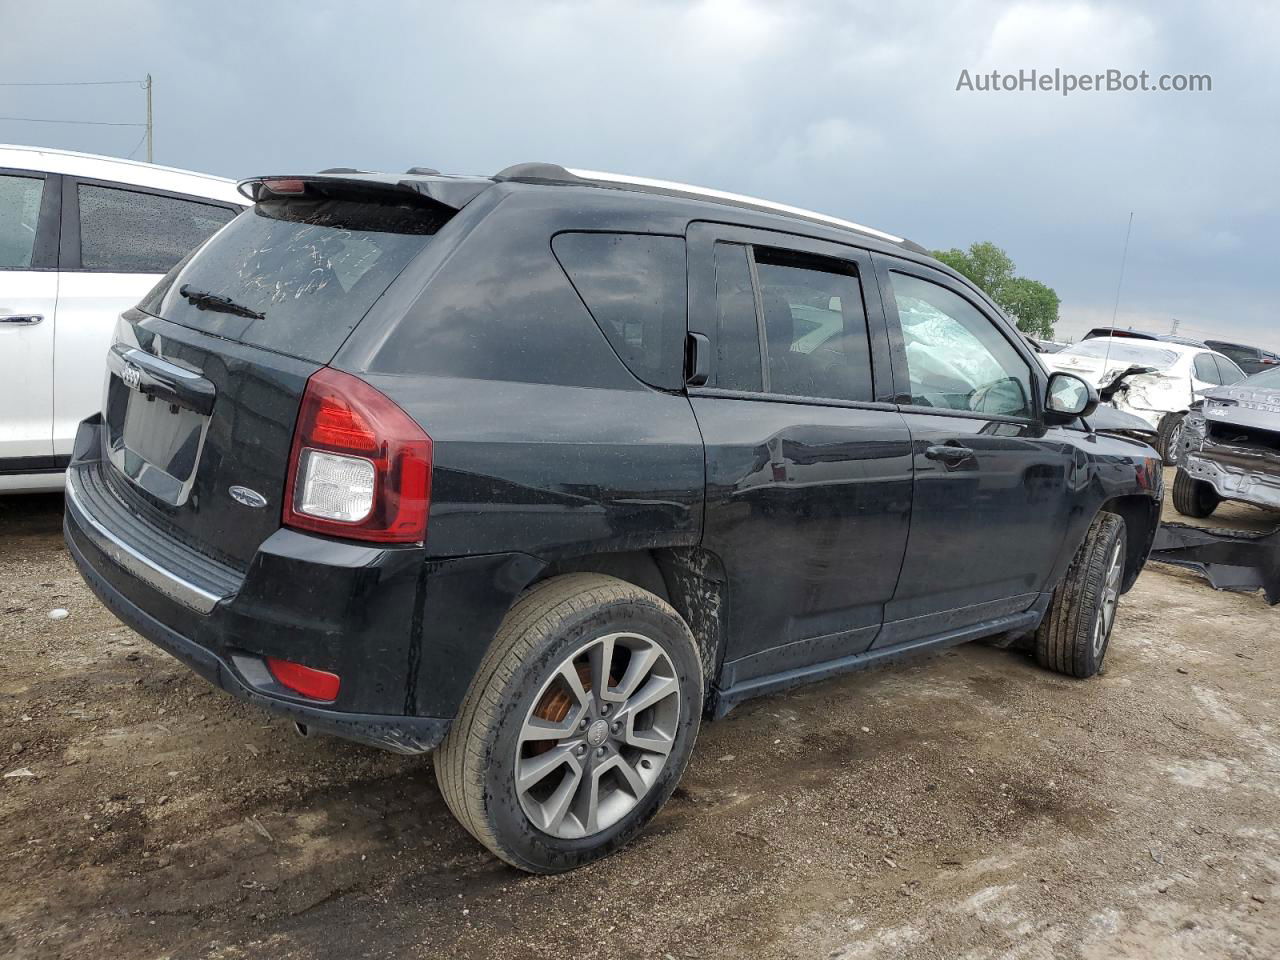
(556, 704)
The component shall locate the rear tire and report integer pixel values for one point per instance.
(548, 766)
(1076, 632)
(1192, 497)
(1169, 438)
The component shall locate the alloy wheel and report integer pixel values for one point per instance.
(1110, 599)
(597, 736)
(1175, 441)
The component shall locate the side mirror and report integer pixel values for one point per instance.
(1069, 397)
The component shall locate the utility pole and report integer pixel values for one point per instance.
(148, 89)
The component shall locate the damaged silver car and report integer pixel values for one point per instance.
(1230, 448)
(1157, 381)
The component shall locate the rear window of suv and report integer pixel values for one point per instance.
(634, 285)
(303, 272)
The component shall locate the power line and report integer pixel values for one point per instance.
(145, 84)
(68, 83)
(91, 123)
(141, 139)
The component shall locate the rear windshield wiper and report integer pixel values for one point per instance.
(212, 301)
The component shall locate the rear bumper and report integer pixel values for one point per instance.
(405, 633)
(395, 733)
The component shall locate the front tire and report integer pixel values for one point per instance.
(1076, 632)
(1192, 497)
(578, 724)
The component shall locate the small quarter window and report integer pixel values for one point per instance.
(634, 286)
(1228, 372)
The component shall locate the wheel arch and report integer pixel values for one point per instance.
(691, 579)
(1141, 516)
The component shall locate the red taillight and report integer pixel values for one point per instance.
(360, 467)
(308, 681)
(286, 185)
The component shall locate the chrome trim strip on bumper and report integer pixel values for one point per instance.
(134, 561)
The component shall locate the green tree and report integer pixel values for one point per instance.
(1032, 304)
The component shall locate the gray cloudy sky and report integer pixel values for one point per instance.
(846, 107)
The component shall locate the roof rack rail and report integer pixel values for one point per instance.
(343, 170)
(554, 173)
(724, 196)
(423, 171)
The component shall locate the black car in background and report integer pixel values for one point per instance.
(1250, 359)
(540, 470)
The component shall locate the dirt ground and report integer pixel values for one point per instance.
(967, 806)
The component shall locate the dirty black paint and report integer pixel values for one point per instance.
(798, 538)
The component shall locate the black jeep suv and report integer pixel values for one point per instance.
(540, 470)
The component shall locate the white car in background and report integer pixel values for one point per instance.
(1162, 396)
(82, 238)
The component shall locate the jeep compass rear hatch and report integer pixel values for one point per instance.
(207, 376)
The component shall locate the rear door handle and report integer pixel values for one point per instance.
(948, 454)
(21, 319)
(698, 361)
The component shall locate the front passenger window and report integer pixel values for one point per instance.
(956, 358)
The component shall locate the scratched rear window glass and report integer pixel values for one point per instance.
(301, 272)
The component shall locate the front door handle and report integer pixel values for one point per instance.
(948, 453)
(21, 319)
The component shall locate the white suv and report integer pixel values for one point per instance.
(82, 238)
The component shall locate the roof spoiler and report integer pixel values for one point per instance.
(449, 192)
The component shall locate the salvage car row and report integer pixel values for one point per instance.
(1158, 381)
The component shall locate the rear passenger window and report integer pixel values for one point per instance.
(737, 334)
(1206, 369)
(19, 214)
(634, 285)
(815, 327)
(124, 231)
